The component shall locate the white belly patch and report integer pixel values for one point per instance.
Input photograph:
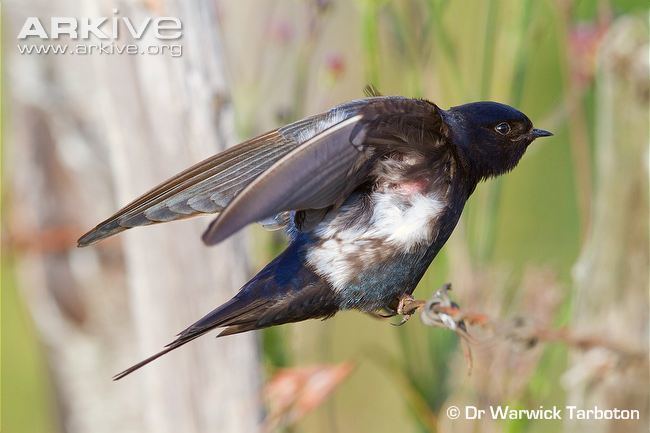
(397, 225)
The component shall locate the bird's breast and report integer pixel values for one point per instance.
(387, 225)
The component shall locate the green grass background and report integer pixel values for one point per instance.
(513, 51)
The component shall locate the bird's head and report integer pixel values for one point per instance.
(491, 137)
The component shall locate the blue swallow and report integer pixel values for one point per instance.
(368, 193)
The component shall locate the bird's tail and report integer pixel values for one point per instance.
(268, 299)
(237, 312)
(171, 346)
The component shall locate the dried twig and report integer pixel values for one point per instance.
(441, 311)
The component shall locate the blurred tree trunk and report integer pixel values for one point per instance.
(89, 134)
(612, 273)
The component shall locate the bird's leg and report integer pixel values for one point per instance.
(406, 306)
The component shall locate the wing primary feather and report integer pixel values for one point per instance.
(226, 172)
(299, 180)
(210, 185)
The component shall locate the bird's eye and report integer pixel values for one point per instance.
(502, 128)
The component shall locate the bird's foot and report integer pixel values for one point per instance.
(406, 306)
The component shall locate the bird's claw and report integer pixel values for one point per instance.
(405, 318)
(406, 307)
(381, 316)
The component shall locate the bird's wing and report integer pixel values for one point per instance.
(210, 185)
(311, 176)
(309, 164)
(323, 170)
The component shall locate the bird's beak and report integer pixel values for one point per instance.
(536, 133)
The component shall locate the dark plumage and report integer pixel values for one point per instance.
(369, 192)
